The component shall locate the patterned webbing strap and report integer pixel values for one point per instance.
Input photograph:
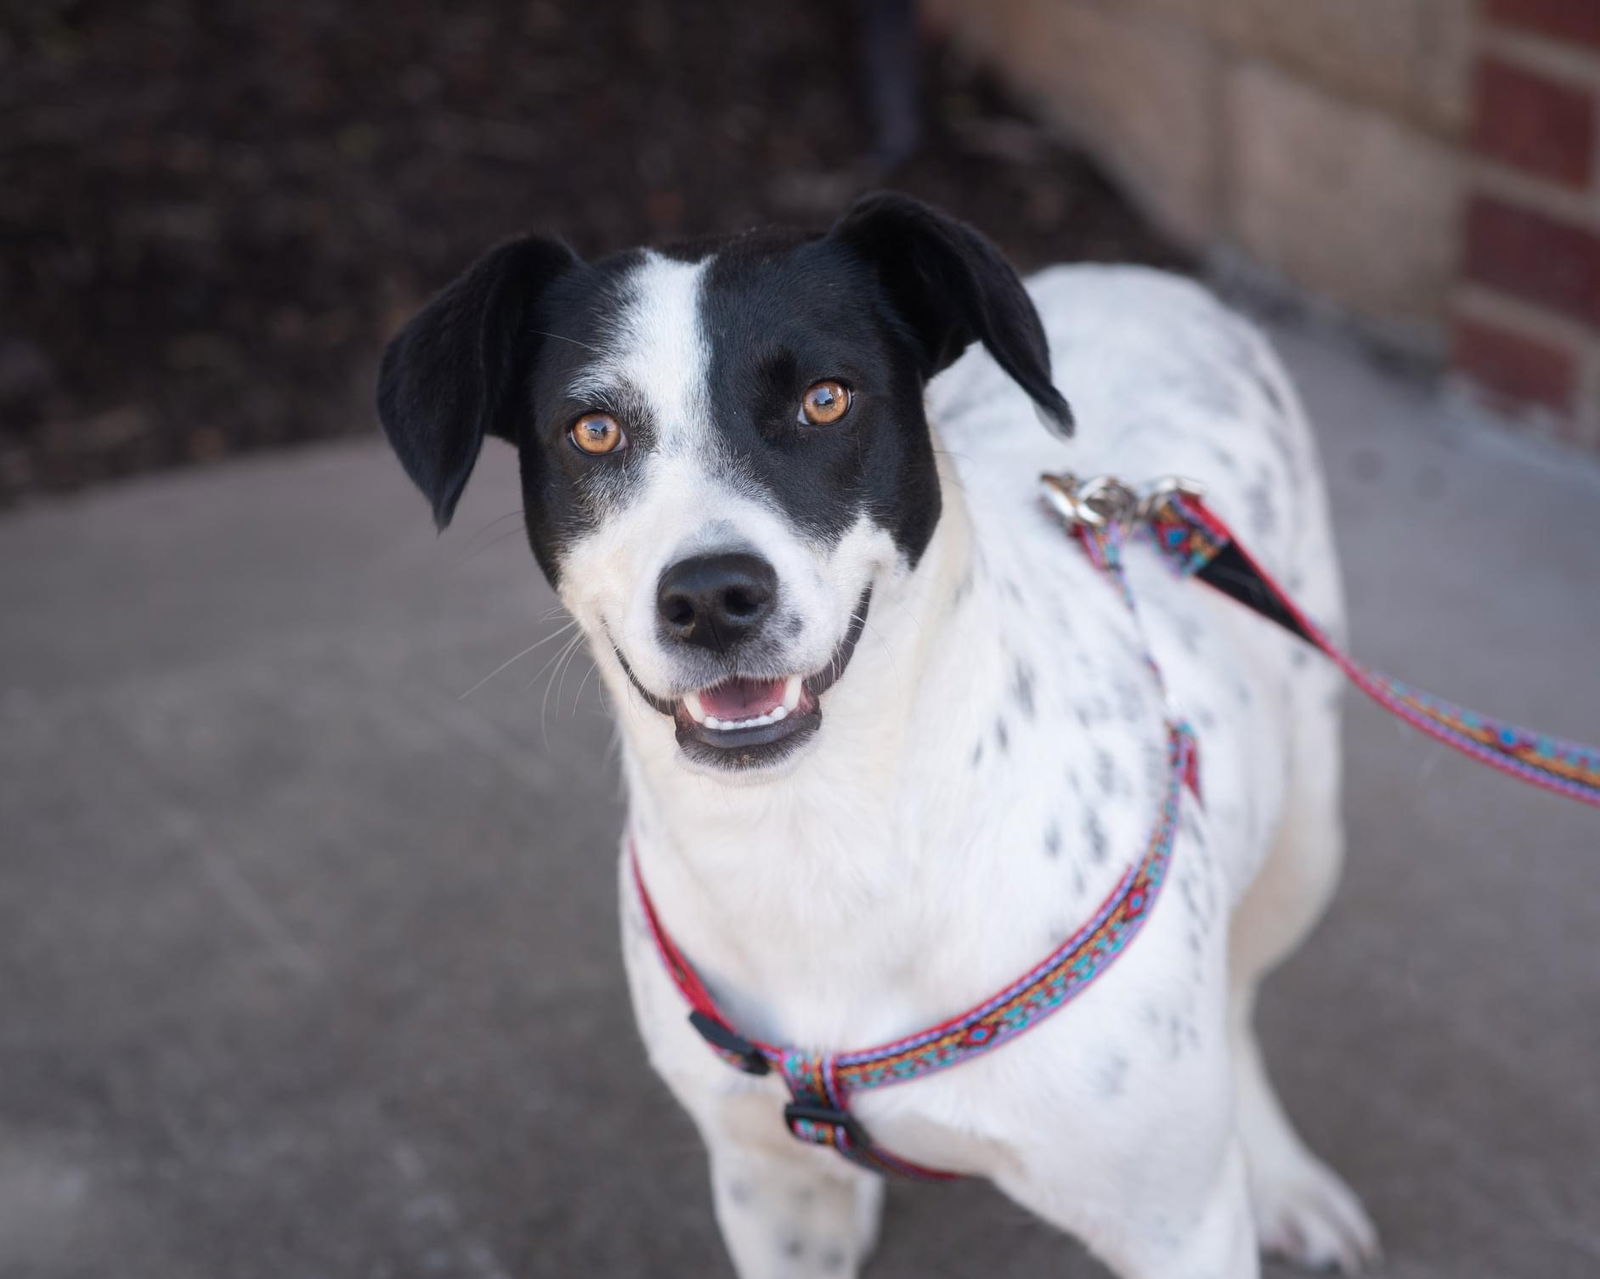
(821, 1084)
(1201, 545)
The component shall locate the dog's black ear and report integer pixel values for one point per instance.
(446, 377)
(952, 286)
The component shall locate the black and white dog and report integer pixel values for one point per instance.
(889, 736)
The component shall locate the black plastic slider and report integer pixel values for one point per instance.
(816, 1124)
(731, 1042)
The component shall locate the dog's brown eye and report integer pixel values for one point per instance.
(824, 403)
(598, 433)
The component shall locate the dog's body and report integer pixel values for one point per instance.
(993, 754)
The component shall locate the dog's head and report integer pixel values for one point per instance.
(723, 449)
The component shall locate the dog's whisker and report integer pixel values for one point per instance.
(562, 337)
(472, 547)
(583, 684)
(559, 661)
(489, 545)
(512, 661)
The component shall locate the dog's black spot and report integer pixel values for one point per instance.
(1298, 657)
(1022, 687)
(1188, 628)
(1105, 771)
(1130, 701)
(1095, 835)
(1111, 1075)
(1052, 840)
(965, 585)
(1155, 766)
(1206, 391)
(977, 754)
(792, 1247)
(1262, 511)
(1186, 891)
(832, 1261)
(1242, 692)
(1002, 738)
(1270, 390)
(740, 1192)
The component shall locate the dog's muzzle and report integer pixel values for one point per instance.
(753, 721)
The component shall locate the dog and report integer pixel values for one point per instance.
(889, 736)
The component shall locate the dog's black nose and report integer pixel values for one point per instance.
(715, 601)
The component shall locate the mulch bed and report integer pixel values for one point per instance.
(213, 212)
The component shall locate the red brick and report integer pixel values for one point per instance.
(1515, 366)
(1577, 20)
(1533, 123)
(1534, 257)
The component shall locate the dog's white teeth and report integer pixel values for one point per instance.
(792, 688)
(697, 712)
(757, 721)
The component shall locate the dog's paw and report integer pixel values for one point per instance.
(1307, 1215)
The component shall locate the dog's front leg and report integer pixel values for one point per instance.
(1218, 1241)
(789, 1211)
(1151, 1224)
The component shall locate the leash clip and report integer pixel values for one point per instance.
(1101, 501)
(1158, 494)
(1097, 501)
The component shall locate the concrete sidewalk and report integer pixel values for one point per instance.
(307, 966)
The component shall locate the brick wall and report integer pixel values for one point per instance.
(1431, 167)
(1526, 312)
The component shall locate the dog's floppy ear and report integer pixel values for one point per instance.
(446, 376)
(952, 286)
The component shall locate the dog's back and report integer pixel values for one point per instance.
(1167, 381)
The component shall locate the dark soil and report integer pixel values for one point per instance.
(213, 212)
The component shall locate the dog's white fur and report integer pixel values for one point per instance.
(987, 768)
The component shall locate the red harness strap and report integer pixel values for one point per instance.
(821, 1084)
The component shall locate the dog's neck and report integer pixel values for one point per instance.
(835, 813)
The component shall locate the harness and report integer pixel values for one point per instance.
(1102, 513)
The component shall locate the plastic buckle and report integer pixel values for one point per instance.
(818, 1125)
(740, 1052)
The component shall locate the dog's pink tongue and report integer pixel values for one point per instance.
(742, 698)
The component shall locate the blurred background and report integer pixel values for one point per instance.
(307, 963)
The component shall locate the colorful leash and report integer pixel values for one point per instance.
(1198, 543)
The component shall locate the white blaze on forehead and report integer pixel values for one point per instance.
(658, 352)
(683, 498)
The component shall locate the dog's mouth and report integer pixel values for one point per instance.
(755, 721)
